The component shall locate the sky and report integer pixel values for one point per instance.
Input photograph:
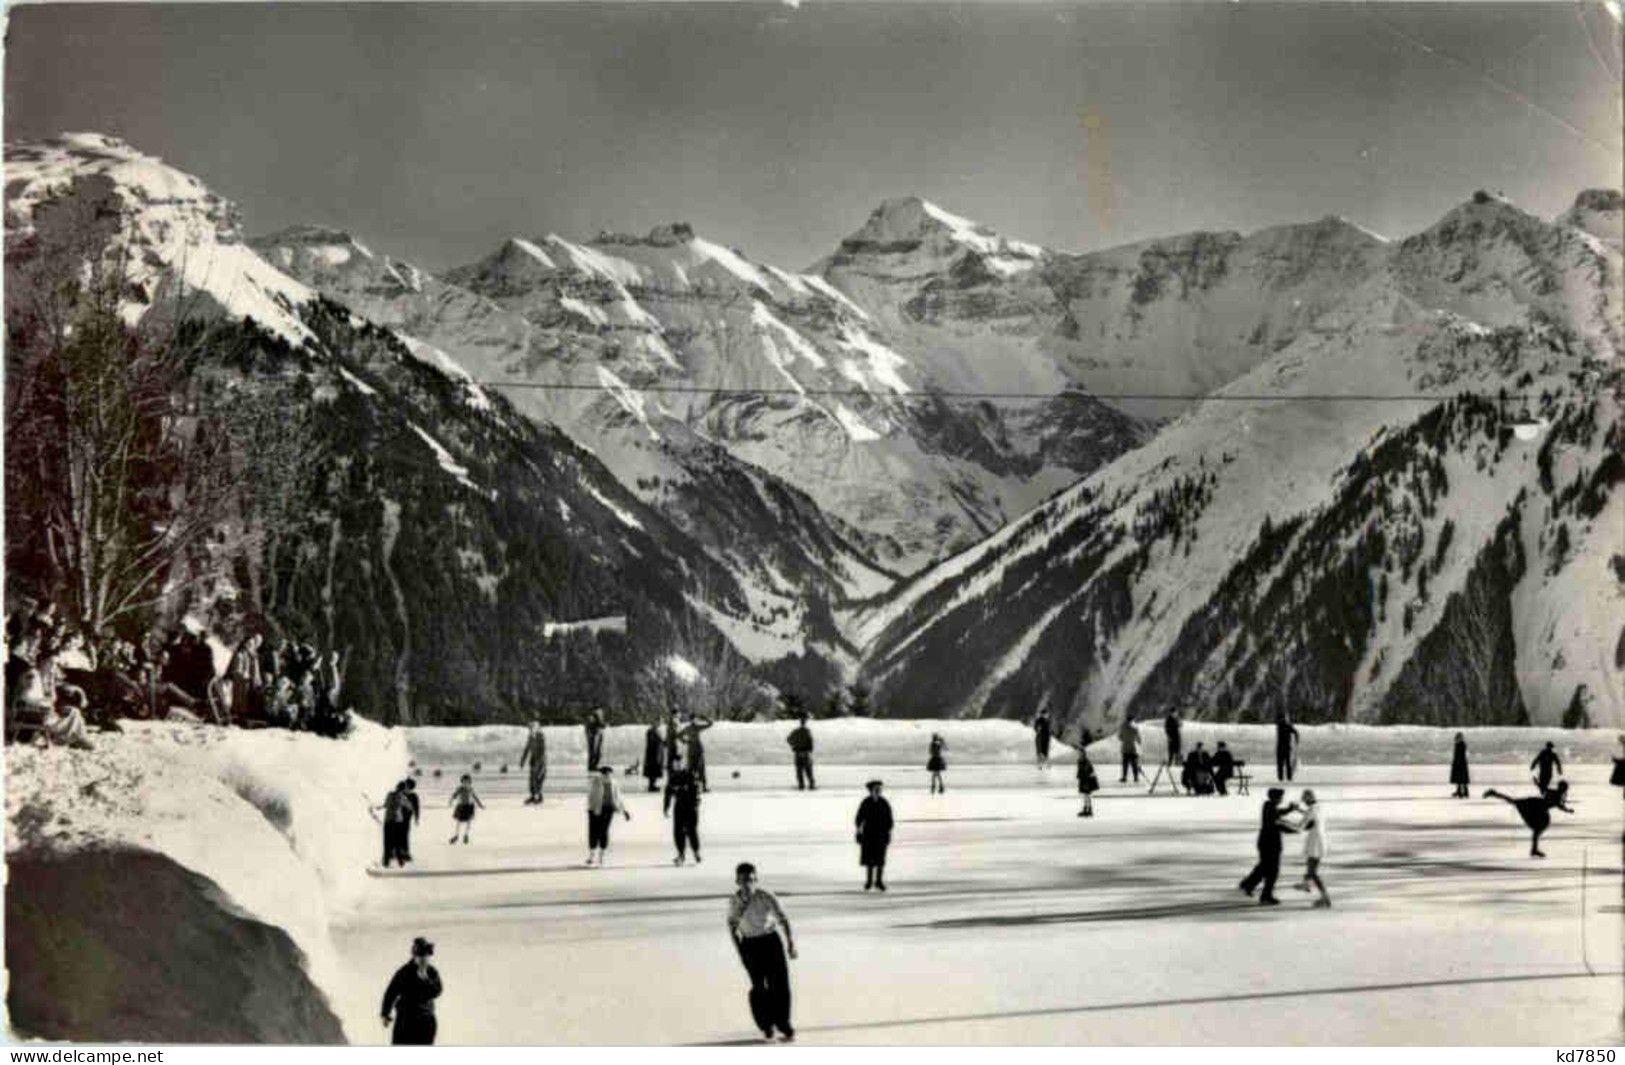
(434, 132)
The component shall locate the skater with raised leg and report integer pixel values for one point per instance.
(682, 805)
(874, 824)
(1536, 811)
(936, 764)
(1313, 826)
(463, 801)
(754, 920)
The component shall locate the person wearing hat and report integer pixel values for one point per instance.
(603, 800)
(754, 920)
(1272, 826)
(1313, 827)
(410, 998)
(874, 823)
(1546, 765)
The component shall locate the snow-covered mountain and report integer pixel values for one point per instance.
(448, 531)
(1418, 550)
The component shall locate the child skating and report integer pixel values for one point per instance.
(1088, 780)
(937, 764)
(1536, 811)
(1313, 827)
(603, 803)
(463, 802)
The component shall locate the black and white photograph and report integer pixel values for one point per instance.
(820, 522)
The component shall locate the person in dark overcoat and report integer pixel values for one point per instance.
(874, 823)
(410, 998)
(1458, 767)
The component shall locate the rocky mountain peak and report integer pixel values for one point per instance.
(911, 224)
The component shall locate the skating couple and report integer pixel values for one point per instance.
(1275, 823)
(401, 808)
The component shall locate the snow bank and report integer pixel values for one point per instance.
(861, 741)
(278, 820)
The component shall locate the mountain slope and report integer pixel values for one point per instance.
(1391, 556)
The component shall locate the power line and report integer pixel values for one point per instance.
(859, 393)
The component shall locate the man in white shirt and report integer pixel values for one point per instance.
(754, 920)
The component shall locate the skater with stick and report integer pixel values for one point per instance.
(1536, 811)
(1459, 775)
(801, 747)
(654, 755)
(935, 763)
(874, 824)
(410, 997)
(1272, 825)
(463, 801)
(603, 801)
(1313, 826)
(682, 805)
(1041, 738)
(1546, 765)
(754, 920)
(535, 755)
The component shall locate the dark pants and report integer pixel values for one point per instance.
(1266, 872)
(804, 772)
(598, 829)
(769, 982)
(397, 842)
(414, 1029)
(685, 830)
(1131, 762)
(1283, 763)
(538, 777)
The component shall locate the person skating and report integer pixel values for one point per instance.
(1313, 826)
(1224, 768)
(410, 998)
(936, 764)
(414, 815)
(754, 920)
(801, 746)
(1459, 775)
(595, 740)
(1546, 765)
(395, 813)
(694, 747)
(1088, 780)
(1041, 738)
(603, 800)
(1172, 728)
(874, 824)
(682, 805)
(1273, 824)
(463, 801)
(1128, 739)
(535, 756)
(654, 755)
(1286, 746)
(1536, 811)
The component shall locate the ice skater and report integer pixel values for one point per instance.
(1286, 746)
(654, 755)
(603, 801)
(801, 747)
(410, 998)
(1459, 775)
(414, 816)
(595, 740)
(1272, 825)
(1546, 765)
(874, 824)
(1536, 811)
(1041, 737)
(463, 801)
(1128, 739)
(682, 805)
(1171, 727)
(937, 764)
(535, 755)
(1088, 781)
(754, 920)
(395, 813)
(694, 748)
(1313, 826)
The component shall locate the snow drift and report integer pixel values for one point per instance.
(223, 832)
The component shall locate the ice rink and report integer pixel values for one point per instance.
(1010, 920)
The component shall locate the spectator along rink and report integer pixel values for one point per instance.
(1009, 919)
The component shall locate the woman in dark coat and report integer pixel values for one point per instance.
(874, 822)
(1458, 767)
(410, 997)
(654, 755)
